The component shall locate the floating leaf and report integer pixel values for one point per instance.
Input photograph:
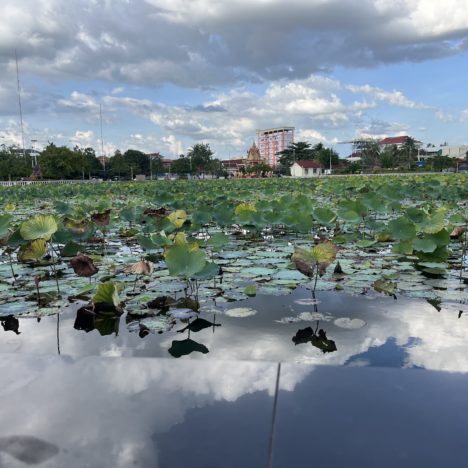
(349, 323)
(386, 287)
(241, 312)
(250, 290)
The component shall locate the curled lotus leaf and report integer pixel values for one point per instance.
(144, 267)
(38, 227)
(324, 252)
(434, 222)
(33, 251)
(156, 212)
(83, 266)
(107, 293)
(101, 219)
(458, 231)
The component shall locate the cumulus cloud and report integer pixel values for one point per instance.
(395, 98)
(200, 43)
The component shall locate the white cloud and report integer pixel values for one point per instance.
(198, 43)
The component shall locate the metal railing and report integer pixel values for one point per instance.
(11, 183)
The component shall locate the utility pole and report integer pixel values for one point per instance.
(19, 102)
(102, 141)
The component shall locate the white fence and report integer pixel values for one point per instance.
(11, 183)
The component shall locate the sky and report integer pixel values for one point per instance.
(169, 74)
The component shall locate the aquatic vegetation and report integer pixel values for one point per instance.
(166, 252)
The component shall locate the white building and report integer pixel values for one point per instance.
(272, 141)
(455, 151)
(304, 168)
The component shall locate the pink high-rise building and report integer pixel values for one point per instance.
(273, 140)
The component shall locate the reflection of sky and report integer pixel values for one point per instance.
(111, 409)
(410, 333)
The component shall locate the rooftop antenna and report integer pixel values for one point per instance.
(102, 141)
(19, 102)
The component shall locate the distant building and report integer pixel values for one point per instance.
(234, 166)
(459, 152)
(398, 141)
(272, 141)
(305, 168)
(254, 156)
(104, 160)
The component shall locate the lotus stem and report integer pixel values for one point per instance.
(54, 269)
(316, 277)
(11, 267)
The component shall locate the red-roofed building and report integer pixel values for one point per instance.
(398, 141)
(306, 168)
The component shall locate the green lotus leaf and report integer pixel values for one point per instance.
(424, 244)
(209, 271)
(183, 261)
(403, 248)
(218, 241)
(5, 221)
(38, 227)
(33, 251)
(107, 293)
(385, 286)
(178, 218)
(350, 216)
(324, 216)
(366, 243)
(250, 290)
(433, 223)
(402, 229)
(324, 252)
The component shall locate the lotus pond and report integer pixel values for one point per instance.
(349, 270)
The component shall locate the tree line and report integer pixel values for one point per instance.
(62, 162)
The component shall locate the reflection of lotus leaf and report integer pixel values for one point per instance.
(240, 312)
(349, 323)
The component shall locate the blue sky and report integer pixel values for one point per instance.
(170, 74)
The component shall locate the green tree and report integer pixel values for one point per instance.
(137, 161)
(369, 151)
(156, 165)
(181, 166)
(118, 165)
(438, 163)
(296, 152)
(390, 157)
(409, 152)
(326, 155)
(90, 164)
(60, 162)
(14, 164)
(200, 156)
